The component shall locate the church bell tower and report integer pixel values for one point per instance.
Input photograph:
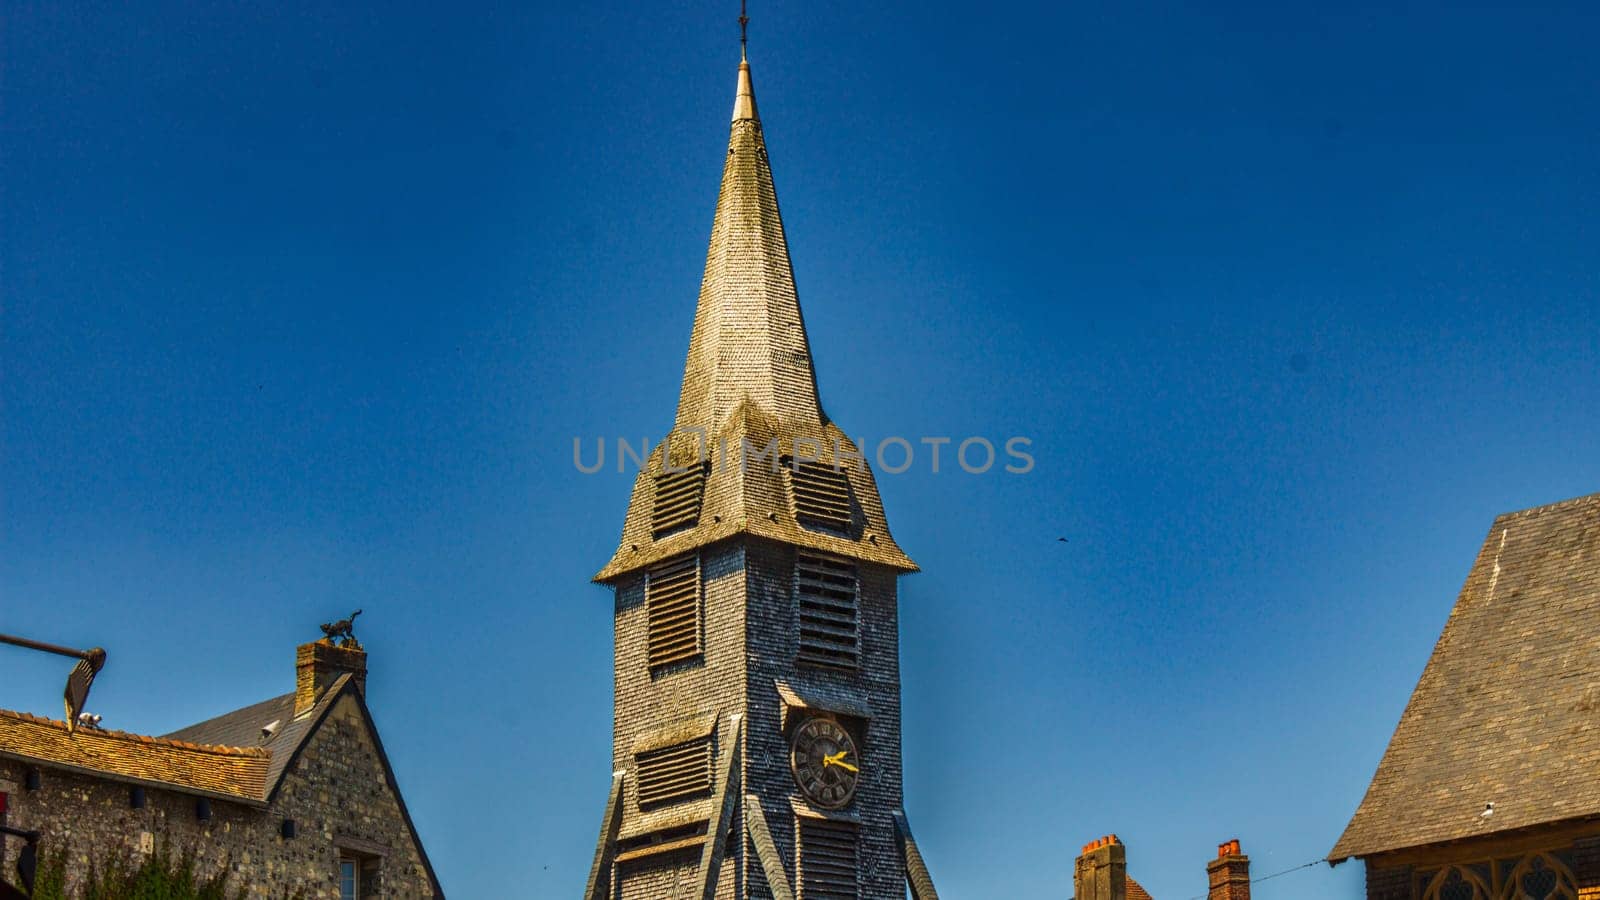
(756, 746)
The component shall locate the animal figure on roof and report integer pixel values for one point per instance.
(342, 632)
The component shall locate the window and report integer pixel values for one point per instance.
(672, 595)
(1538, 876)
(828, 860)
(825, 594)
(675, 773)
(349, 879)
(678, 496)
(821, 495)
(1541, 875)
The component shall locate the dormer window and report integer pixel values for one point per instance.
(819, 495)
(678, 497)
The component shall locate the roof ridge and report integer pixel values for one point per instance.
(1532, 511)
(133, 738)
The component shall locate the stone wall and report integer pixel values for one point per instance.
(337, 794)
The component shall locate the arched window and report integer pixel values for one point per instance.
(1539, 876)
(1457, 883)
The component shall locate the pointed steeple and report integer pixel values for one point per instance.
(749, 340)
(748, 381)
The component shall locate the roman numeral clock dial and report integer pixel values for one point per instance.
(825, 764)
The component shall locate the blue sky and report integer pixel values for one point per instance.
(302, 309)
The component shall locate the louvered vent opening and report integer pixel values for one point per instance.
(672, 593)
(826, 592)
(828, 860)
(820, 495)
(675, 773)
(678, 496)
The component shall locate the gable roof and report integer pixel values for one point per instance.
(749, 377)
(1135, 890)
(232, 773)
(243, 726)
(1508, 708)
(291, 737)
(214, 758)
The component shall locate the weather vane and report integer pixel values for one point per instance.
(90, 662)
(744, 29)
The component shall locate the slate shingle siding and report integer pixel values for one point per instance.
(748, 377)
(1586, 867)
(1390, 883)
(751, 642)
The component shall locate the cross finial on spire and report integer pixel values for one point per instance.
(744, 30)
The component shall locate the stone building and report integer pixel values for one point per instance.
(1490, 786)
(756, 744)
(294, 796)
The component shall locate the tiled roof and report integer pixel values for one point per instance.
(749, 376)
(235, 772)
(1136, 891)
(1508, 709)
(225, 756)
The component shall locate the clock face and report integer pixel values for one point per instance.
(824, 762)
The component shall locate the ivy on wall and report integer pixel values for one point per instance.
(160, 876)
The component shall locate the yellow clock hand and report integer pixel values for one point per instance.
(837, 759)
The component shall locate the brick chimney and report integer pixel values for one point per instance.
(1229, 873)
(1101, 871)
(318, 664)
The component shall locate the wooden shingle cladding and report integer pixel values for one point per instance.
(748, 376)
(819, 495)
(673, 595)
(828, 859)
(679, 493)
(827, 599)
(1505, 711)
(671, 774)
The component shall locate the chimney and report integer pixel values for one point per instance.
(318, 664)
(1229, 873)
(1101, 872)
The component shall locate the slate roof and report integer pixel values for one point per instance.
(1508, 708)
(749, 375)
(243, 726)
(235, 773)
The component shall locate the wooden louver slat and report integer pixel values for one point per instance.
(672, 595)
(826, 593)
(678, 497)
(675, 773)
(828, 860)
(821, 496)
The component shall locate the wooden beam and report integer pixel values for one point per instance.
(723, 801)
(755, 822)
(1514, 842)
(600, 870)
(916, 870)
